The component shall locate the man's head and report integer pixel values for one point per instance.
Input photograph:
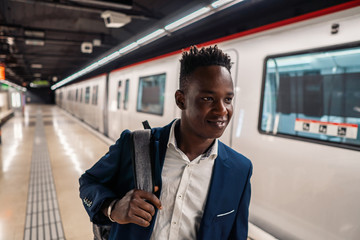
(206, 92)
(200, 58)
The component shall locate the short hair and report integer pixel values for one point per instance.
(195, 58)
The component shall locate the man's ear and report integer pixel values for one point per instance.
(180, 99)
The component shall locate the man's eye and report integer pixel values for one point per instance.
(207, 99)
(228, 100)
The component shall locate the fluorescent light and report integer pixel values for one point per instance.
(187, 18)
(35, 42)
(220, 3)
(36, 66)
(13, 85)
(128, 48)
(109, 58)
(37, 34)
(151, 36)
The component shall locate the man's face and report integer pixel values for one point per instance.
(208, 106)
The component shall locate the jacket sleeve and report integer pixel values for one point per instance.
(240, 228)
(101, 181)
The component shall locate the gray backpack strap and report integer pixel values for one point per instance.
(142, 160)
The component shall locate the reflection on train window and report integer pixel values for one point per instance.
(314, 95)
(94, 95)
(126, 96)
(15, 100)
(119, 94)
(151, 94)
(87, 95)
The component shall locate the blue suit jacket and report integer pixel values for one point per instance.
(227, 206)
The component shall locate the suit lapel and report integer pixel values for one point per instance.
(220, 195)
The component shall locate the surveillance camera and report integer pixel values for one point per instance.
(115, 19)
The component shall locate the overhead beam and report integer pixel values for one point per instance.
(23, 28)
(103, 3)
(81, 9)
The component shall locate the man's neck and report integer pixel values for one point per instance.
(190, 144)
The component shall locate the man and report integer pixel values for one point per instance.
(202, 186)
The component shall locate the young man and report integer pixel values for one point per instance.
(202, 186)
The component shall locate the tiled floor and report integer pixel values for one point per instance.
(42, 215)
(25, 175)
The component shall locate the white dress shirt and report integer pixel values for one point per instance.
(185, 186)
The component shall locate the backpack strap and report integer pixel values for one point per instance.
(142, 160)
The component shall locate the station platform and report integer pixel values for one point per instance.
(43, 154)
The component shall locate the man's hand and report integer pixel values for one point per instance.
(135, 207)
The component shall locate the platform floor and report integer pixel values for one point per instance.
(37, 204)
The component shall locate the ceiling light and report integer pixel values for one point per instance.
(37, 34)
(128, 48)
(187, 19)
(220, 3)
(36, 66)
(35, 42)
(151, 36)
(13, 85)
(37, 75)
(108, 58)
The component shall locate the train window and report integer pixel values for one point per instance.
(126, 96)
(81, 94)
(15, 100)
(95, 95)
(119, 94)
(87, 95)
(151, 94)
(76, 95)
(314, 96)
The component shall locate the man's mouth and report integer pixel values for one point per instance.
(218, 123)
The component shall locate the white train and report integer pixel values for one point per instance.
(296, 116)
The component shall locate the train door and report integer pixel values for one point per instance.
(227, 135)
(122, 106)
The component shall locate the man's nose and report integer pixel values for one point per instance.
(220, 108)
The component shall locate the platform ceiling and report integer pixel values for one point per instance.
(63, 25)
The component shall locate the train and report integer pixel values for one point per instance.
(12, 99)
(296, 116)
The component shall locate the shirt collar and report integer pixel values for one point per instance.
(211, 153)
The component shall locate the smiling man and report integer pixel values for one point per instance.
(202, 186)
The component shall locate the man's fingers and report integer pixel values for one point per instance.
(139, 221)
(137, 207)
(142, 204)
(149, 197)
(142, 214)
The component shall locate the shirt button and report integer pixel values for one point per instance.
(180, 196)
(174, 223)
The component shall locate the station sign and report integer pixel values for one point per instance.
(345, 130)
